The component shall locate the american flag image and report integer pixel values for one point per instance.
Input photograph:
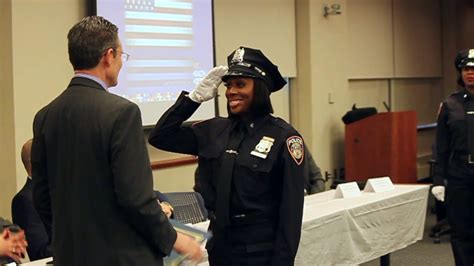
(159, 35)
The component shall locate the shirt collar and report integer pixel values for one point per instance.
(94, 78)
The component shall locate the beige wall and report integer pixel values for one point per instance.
(7, 128)
(321, 56)
(34, 70)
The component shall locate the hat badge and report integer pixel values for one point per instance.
(238, 56)
(471, 53)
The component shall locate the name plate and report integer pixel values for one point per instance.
(347, 190)
(379, 184)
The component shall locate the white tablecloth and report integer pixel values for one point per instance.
(356, 230)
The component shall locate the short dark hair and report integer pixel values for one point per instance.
(261, 104)
(88, 40)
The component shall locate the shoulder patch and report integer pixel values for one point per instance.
(296, 148)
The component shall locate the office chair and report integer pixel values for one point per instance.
(188, 206)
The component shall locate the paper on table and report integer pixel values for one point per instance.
(347, 190)
(379, 184)
(175, 259)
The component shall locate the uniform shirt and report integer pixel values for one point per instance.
(451, 138)
(270, 187)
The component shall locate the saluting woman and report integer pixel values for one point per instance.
(250, 163)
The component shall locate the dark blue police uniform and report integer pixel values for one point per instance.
(265, 159)
(455, 163)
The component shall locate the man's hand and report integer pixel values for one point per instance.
(13, 245)
(207, 88)
(438, 192)
(188, 246)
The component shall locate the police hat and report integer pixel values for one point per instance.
(464, 58)
(248, 62)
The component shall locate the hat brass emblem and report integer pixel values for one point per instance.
(238, 56)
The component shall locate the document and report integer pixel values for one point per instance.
(176, 259)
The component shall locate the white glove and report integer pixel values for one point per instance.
(438, 192)
(207, 88)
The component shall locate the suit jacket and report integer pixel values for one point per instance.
(25, 215)
(93, 181)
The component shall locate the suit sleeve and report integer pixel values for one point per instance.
(41, 193)
(24, 215)
(443, 150)
(133, 181)
(170, 134)
(291, 209)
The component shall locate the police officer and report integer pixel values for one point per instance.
(250, 163)
(455, 155)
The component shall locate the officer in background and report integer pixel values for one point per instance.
(251, 164)
(455, 154)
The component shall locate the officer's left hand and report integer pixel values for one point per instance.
(207, 88)
(438, 192)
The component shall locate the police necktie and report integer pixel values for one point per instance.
(469, 108)
(226, 172)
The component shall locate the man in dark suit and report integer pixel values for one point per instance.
(25, 215)
(93, 185)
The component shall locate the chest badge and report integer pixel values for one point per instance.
(263, 147)
(296, 148)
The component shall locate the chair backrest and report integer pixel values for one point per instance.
(188, 206)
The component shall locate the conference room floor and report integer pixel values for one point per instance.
(423, 252)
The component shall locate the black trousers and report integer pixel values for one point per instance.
(460, 209)
(242, 245)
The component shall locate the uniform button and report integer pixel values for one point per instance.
(252, 125)
(254, 165)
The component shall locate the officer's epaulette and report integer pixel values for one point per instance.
(457, 92)
(197, 123)
(282, 123)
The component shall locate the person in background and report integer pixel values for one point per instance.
(93, 185)
(314, 182)
(165, 205)
(455, 160)
(25, 215)
(251, 164)
(12, 242)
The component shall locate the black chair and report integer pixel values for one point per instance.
(188, 206)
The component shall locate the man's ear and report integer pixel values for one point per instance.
(108, 56)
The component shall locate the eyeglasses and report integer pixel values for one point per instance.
(124, 56)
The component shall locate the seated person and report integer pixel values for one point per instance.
(25, 215)
(12, 242)
(165, 205)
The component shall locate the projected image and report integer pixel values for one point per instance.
(170, 43)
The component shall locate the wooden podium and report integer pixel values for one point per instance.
(382, 145)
